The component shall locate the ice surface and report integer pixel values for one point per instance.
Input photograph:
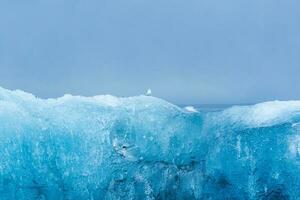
(108, 148)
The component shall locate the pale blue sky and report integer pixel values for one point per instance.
(187, 51)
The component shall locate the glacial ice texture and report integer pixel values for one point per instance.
(110, 148)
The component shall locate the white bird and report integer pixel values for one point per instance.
(149, 92)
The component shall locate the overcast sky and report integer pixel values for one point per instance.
(186, 51)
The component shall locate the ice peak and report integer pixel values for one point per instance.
(191, 109)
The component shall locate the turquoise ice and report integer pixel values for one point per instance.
(104, 147)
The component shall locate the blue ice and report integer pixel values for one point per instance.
(110, 148)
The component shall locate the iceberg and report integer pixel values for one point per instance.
(109, 148)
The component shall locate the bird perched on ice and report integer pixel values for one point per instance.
(149, 92)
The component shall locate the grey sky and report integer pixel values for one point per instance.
(186, 51)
